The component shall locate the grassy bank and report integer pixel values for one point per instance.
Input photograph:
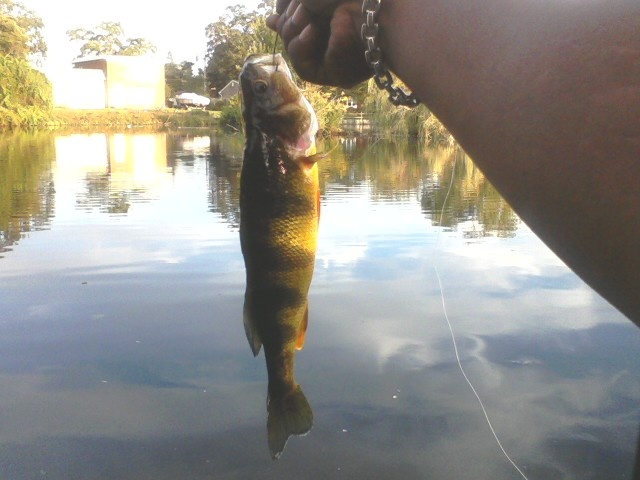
(114, 118)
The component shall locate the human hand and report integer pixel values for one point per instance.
(322, 39)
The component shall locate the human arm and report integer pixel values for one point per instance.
(544, 95)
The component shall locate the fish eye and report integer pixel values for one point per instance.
(260, 87)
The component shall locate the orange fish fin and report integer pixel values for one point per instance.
(250, 329)
(312, 159)
(303, 329)
(308, 162)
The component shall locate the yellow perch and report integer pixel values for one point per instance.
(279, 208)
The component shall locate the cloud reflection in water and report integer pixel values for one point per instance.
(159, 316)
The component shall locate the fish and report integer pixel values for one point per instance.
(279, 217)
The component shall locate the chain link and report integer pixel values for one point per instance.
(373, 55)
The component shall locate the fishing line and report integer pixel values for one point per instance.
(455, 349)
(275, 46)
(455, 344)
(446, 197)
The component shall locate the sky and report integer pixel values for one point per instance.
(172, 27)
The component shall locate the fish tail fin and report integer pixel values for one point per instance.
(249, 327)
(290, 415)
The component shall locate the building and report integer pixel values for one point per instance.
(112, 81)
(230, 90)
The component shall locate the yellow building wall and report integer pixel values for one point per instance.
(135, 82)
(79, 89)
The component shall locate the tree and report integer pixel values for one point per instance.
(108, 39)
(31, 26)
(13, 39)
(180, 78)
(235, 35)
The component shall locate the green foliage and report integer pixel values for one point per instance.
(232, 38)
(13, 39)
(239, 33)
(25, 94)
(30, 24)
(231, 114)
(329, 104)
(180, 78)
(108, 38)
(392, 121)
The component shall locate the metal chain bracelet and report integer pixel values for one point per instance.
(373, 55)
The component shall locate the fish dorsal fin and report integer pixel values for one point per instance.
(250, 328)
(303, 329)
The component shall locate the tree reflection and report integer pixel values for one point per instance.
(455, 191)
(225, 163)
(452, 192)
(26, 185)
(451, 189)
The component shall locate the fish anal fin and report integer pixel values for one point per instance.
(249, 328)
(302, 334)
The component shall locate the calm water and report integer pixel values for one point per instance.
(123, 355)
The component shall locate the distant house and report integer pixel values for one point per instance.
(230, 90)
(115, 81)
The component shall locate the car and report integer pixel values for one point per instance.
(189, 100)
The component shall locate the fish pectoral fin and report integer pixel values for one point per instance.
(289, 415)
(312, 159)
(250, 330)
(302, 334)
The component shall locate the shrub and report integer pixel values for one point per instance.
(231, 114)
(392, 121)
(26, 96)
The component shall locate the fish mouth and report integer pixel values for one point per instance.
(283, 112)
(301, 145)
(294, 124)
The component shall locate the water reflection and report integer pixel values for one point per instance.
(120, 169)
(225, 163)
(452, 191)
(125, 169)
(456, 195)
(26, 185)
(122, 354)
